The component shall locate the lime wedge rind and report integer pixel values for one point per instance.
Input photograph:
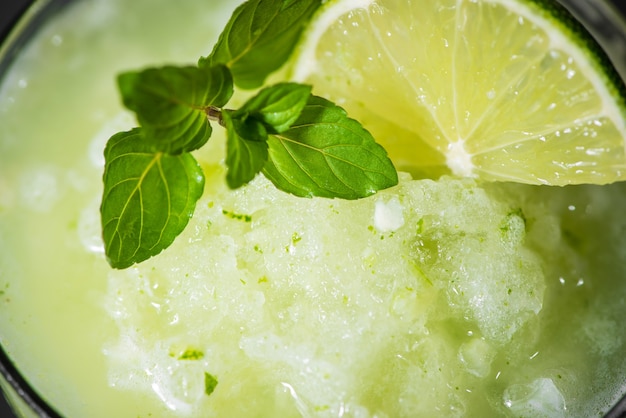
(591, 52)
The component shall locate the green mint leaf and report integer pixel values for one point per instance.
(259, 38)
(327, 154)
(246, 148)
(149, 197)
(210, 383)
(278, 106)
(171, 103)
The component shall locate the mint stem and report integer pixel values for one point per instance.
(214, 114)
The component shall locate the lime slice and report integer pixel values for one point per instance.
(507, 90)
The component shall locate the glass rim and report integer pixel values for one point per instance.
(20, 31)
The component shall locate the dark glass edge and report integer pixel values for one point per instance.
(10, 17)
(23, 389)
(619, 410)
(12, 38)
(21, 29)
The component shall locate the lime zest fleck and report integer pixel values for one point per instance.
(237, 216)
(191, 354)
(210, 382)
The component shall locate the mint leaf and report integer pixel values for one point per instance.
(278, 106)
(171, 103)
(259, 37)
(246, 149)
(327, 154)
(149, 197)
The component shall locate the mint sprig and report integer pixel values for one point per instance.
(305, 145)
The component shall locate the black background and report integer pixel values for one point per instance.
(9, 9)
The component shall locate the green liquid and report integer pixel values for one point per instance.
(439, 298)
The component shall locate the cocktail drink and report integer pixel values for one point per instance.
(488, 282)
